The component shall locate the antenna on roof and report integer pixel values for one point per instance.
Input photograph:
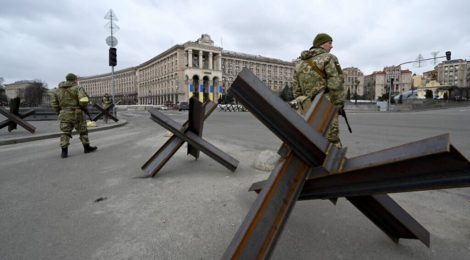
(434, 55)
(419, 62)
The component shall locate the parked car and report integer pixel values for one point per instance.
(183, 106)
(161, 107)
(407, 95)
(169, 104)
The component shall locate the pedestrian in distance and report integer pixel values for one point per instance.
(319, 70)
(70, 103)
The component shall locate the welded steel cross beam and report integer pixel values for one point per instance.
(315, 157)
(307, 148)
(104, 112)
(432, 163)
(15, 118)
(190, 132)
(260, 229)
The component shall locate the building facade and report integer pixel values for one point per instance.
(454, 73)
(354, 82)
(195, 68)
(125, 86)
(375, 85)
(16, 89)
(22, 90)
(391, 78)
(398, 80)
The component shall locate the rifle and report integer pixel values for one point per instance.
(85, 110)
(342, 113)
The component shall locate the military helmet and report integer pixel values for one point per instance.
(320, 39)
(71, 77)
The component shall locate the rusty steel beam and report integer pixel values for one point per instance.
(257, 186)
(431, 163)
(159, 159)
(261, 228)
(384, 212)
(24, 115)
(381, 209)
(263, 224)
(196, 122)
(104, 111)
(195, 140)
(280, 118)
(392, 219)
(13, 120)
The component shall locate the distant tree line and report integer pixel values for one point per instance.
(34, 92)
(3, 95)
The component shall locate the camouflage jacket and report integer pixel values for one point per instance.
(106, 101)
(308, 82)
(68, 96)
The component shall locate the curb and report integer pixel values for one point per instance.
(56, 134)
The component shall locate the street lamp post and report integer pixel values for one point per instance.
(112, 42)
(390, 94)
(177, 94)
(355, 91)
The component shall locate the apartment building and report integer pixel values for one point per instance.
(454, 73)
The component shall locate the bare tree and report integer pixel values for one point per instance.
(34, 92)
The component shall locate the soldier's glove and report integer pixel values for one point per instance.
(294, 104)
(341, 111)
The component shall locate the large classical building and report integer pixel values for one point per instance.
(195, 68)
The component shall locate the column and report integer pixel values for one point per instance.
(210, 61)
(190, 88)
(211, 85)
(200, 59)
(201, 90)
(219, 57)
(190, 58)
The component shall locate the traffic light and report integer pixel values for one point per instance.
(447, 55)
(112, 57)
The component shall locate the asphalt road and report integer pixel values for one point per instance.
(101, 206)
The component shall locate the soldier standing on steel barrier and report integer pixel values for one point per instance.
(106, 102)
(319, 70)
(69, 102)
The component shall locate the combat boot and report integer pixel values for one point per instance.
(64, 153)
(89, 149)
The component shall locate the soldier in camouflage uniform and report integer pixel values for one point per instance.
(106, 101)
(319, 70)
(69, 101)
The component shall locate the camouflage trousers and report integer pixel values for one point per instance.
(333, 131)
(68, 123)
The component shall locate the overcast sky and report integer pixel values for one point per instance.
(46, 39)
